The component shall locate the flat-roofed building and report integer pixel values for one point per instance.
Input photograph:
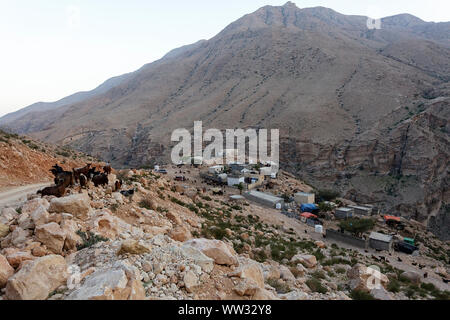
(343, 213)
(263, 198)
(304, 198)
(380, 241)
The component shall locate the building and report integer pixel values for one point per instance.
(362, 211)
(215, 169)
(380, 241)
(235, 178)
(303, 197)
(262, 198)
(343, 213)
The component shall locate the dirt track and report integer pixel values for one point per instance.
(16, 195)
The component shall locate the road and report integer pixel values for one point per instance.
(17, 195)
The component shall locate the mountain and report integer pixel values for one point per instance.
(361, 111)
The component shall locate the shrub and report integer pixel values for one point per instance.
(357, 226)
(361, 295)
(394, 286)
(89, 239)
(328, 195)
(316, 286)
(279, 286)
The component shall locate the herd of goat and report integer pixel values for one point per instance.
(65, 179)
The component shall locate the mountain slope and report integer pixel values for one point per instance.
(350, 103)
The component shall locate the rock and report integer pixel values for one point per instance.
(39, 216)
(33, 204)
(132, 247)
(307, 260)
(104, 224)
(271, 272)
(246, 287)
(6, 271)
(38, 252)
(220, 252)
(263, 294)
(4, 230)
(294, 295)
(381, 294)
(320, 244)
(412, 276)
(172, 216)
(286, 274)
(19, 236)
(118, 197)
(70, 229)
(113, 283)
(36, 280)
(78, 205)
(251, 271)
(365, 279)
(52, 236)
(200, 259)
(16, 257)
(7, 215)
(190, 280)
(180, 233)
(25, 222)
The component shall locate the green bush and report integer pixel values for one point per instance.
(89, 239)
(357, 226)
(361, 295)
(316, 286)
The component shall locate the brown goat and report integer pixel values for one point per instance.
(100, 180)
(78, 171)
(107, 169)
(117, 185)
(57, 191)
(83, 181)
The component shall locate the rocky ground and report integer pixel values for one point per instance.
(171, 240)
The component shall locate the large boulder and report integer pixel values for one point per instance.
(190, 280)
(36, 280)
(6, 271)
(307, 260)
(19, 236)
(104, 224)
(412, 276)
(39, 216)
(30, 206)
(7, 215)
(180, 233)
(249, 270)
(271, 272)
(78, 205)
(113, 283)
(199, 258)
(219, 251)
(364, 278)
(52, 236)
(16, 257)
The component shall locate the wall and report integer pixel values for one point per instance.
(348, 239)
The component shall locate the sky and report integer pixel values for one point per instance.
(50, 49)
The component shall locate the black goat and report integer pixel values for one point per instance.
(100, 179)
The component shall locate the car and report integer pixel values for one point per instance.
(405, 247)
(163, 171)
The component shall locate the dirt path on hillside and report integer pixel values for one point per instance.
(16, 195)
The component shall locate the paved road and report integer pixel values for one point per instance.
(17, 195)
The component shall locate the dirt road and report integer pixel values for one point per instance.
(17, 195)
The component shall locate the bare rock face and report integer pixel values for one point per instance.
(114, 283)
(190, 280)
(52, 236)
(36, 280)
(307, 260)
(6, 271)
(215, 249)
(78, 205)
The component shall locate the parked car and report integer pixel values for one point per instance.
(405, 247)
(180, 178)
(163, 171)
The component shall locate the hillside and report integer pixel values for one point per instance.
(25, 161)
(364, 111)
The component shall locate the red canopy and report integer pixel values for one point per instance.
(308, 215)
(392, 218)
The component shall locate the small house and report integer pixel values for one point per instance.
(380, 241)
(343, 213)
(303, 197)
(361, 210)
(265, 199)
(234, 179)
(215, 169)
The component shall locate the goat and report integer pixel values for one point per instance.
(117, 185)
(58, 191)
(421, 266)
(127, 193)
(107, 169)
(84, 170)
(65, 178)
(425, 275)
(83, 181)
(100, 179)
(399, 260)
(92, 173)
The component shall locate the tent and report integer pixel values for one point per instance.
(387, 218)
(308, 215)
(309, 207)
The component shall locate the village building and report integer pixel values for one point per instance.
(380, 241)
(304, 198)
(262, 198)
(343, 213)
(361, 210)
(216, 169)
(235, 178)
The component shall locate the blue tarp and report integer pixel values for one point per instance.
(309, 207)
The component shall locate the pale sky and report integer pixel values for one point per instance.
(53, 48)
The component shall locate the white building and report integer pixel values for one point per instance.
(215, 169)
(233, 180)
